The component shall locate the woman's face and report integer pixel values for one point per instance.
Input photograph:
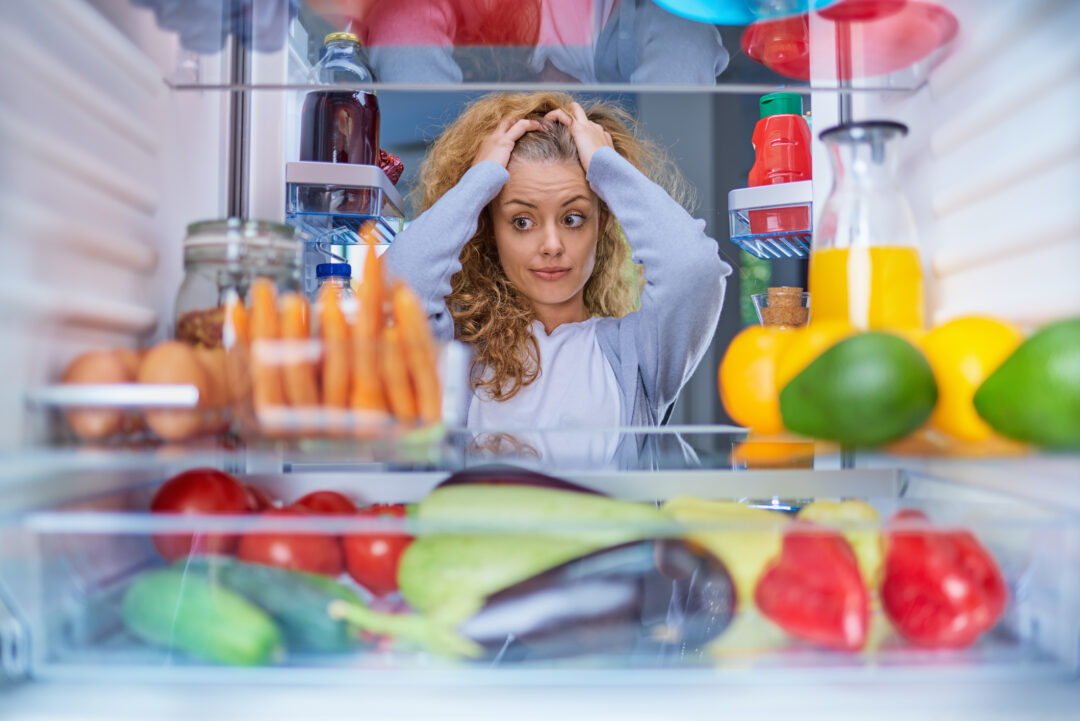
(547, 223)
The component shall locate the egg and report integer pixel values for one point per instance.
(95, 367)
(173, 362)
(133, 421)
(131, 360)
(217, 398)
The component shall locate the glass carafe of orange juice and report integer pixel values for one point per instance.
(865, 266)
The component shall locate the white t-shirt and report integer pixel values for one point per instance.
(575, 393)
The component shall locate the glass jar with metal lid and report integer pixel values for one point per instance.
(221, 259)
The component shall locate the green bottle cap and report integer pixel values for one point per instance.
(780, 104)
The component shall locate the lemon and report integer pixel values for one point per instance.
(747, 378)
(963, 353)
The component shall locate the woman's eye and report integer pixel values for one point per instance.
(522, 223)
(574, 220)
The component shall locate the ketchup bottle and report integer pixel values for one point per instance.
(782, 144)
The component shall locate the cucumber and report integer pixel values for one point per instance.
(297, 601)
(189, 612)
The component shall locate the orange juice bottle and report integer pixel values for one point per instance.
(865, 266)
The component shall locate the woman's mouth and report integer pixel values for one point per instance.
(552, 273)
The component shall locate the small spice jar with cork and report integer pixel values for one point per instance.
(783, 306)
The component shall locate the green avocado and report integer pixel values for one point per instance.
(866, 390)
(1034, 396)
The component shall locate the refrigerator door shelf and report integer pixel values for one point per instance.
(772, 221)
(332, 203)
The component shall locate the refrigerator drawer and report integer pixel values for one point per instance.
(68, 571)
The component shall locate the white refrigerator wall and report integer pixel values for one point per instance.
(992, 162)
(101, 168)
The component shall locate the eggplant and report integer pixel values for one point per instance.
(652, 601)
(502, 474)
(648, 599)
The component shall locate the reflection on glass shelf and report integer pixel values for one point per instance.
(599, 45)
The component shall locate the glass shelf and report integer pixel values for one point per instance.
(579, 45)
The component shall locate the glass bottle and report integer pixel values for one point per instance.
(865, 267)
(341, 126)
(336, 275)
(221, 259)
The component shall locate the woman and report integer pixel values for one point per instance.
(519, 252)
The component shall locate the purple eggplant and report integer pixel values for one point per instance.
(499, 474)
(654, 601)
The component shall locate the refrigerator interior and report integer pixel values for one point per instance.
(115, 137)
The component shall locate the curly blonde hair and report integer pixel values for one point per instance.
(488, 311)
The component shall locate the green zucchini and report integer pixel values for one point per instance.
(189, 612)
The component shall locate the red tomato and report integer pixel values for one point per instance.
(259, 499)
(329, 502)
(372, 559)
(311, 552)
(199, 490)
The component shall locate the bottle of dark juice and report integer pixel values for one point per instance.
(341, 125)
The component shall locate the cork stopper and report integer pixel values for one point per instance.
(785, 307)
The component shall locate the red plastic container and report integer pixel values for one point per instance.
(782, 143)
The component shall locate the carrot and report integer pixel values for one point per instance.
(420, 353)
(299, 373)
(395, 376)
(266, 377)
(367, 389)
(236, 337)
(236, 321)
(372, 291)
(334, 330)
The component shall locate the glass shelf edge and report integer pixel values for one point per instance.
(731, 88)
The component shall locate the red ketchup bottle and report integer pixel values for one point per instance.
(782, 143)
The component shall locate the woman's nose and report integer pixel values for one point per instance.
(552, 242)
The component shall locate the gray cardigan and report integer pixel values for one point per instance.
(653, 350)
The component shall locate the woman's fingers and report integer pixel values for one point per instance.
(579, 112)
(558, 115)
(499, 144)
(519, 128)
(588, 136)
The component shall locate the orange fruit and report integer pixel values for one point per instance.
(747, 377)
(806, 344)
(962, 354)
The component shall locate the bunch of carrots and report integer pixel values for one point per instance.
(376, 356)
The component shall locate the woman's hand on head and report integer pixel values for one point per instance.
(588, 136)
(498, 145)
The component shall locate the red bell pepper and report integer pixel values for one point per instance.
(814, 590)
(941, 587)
